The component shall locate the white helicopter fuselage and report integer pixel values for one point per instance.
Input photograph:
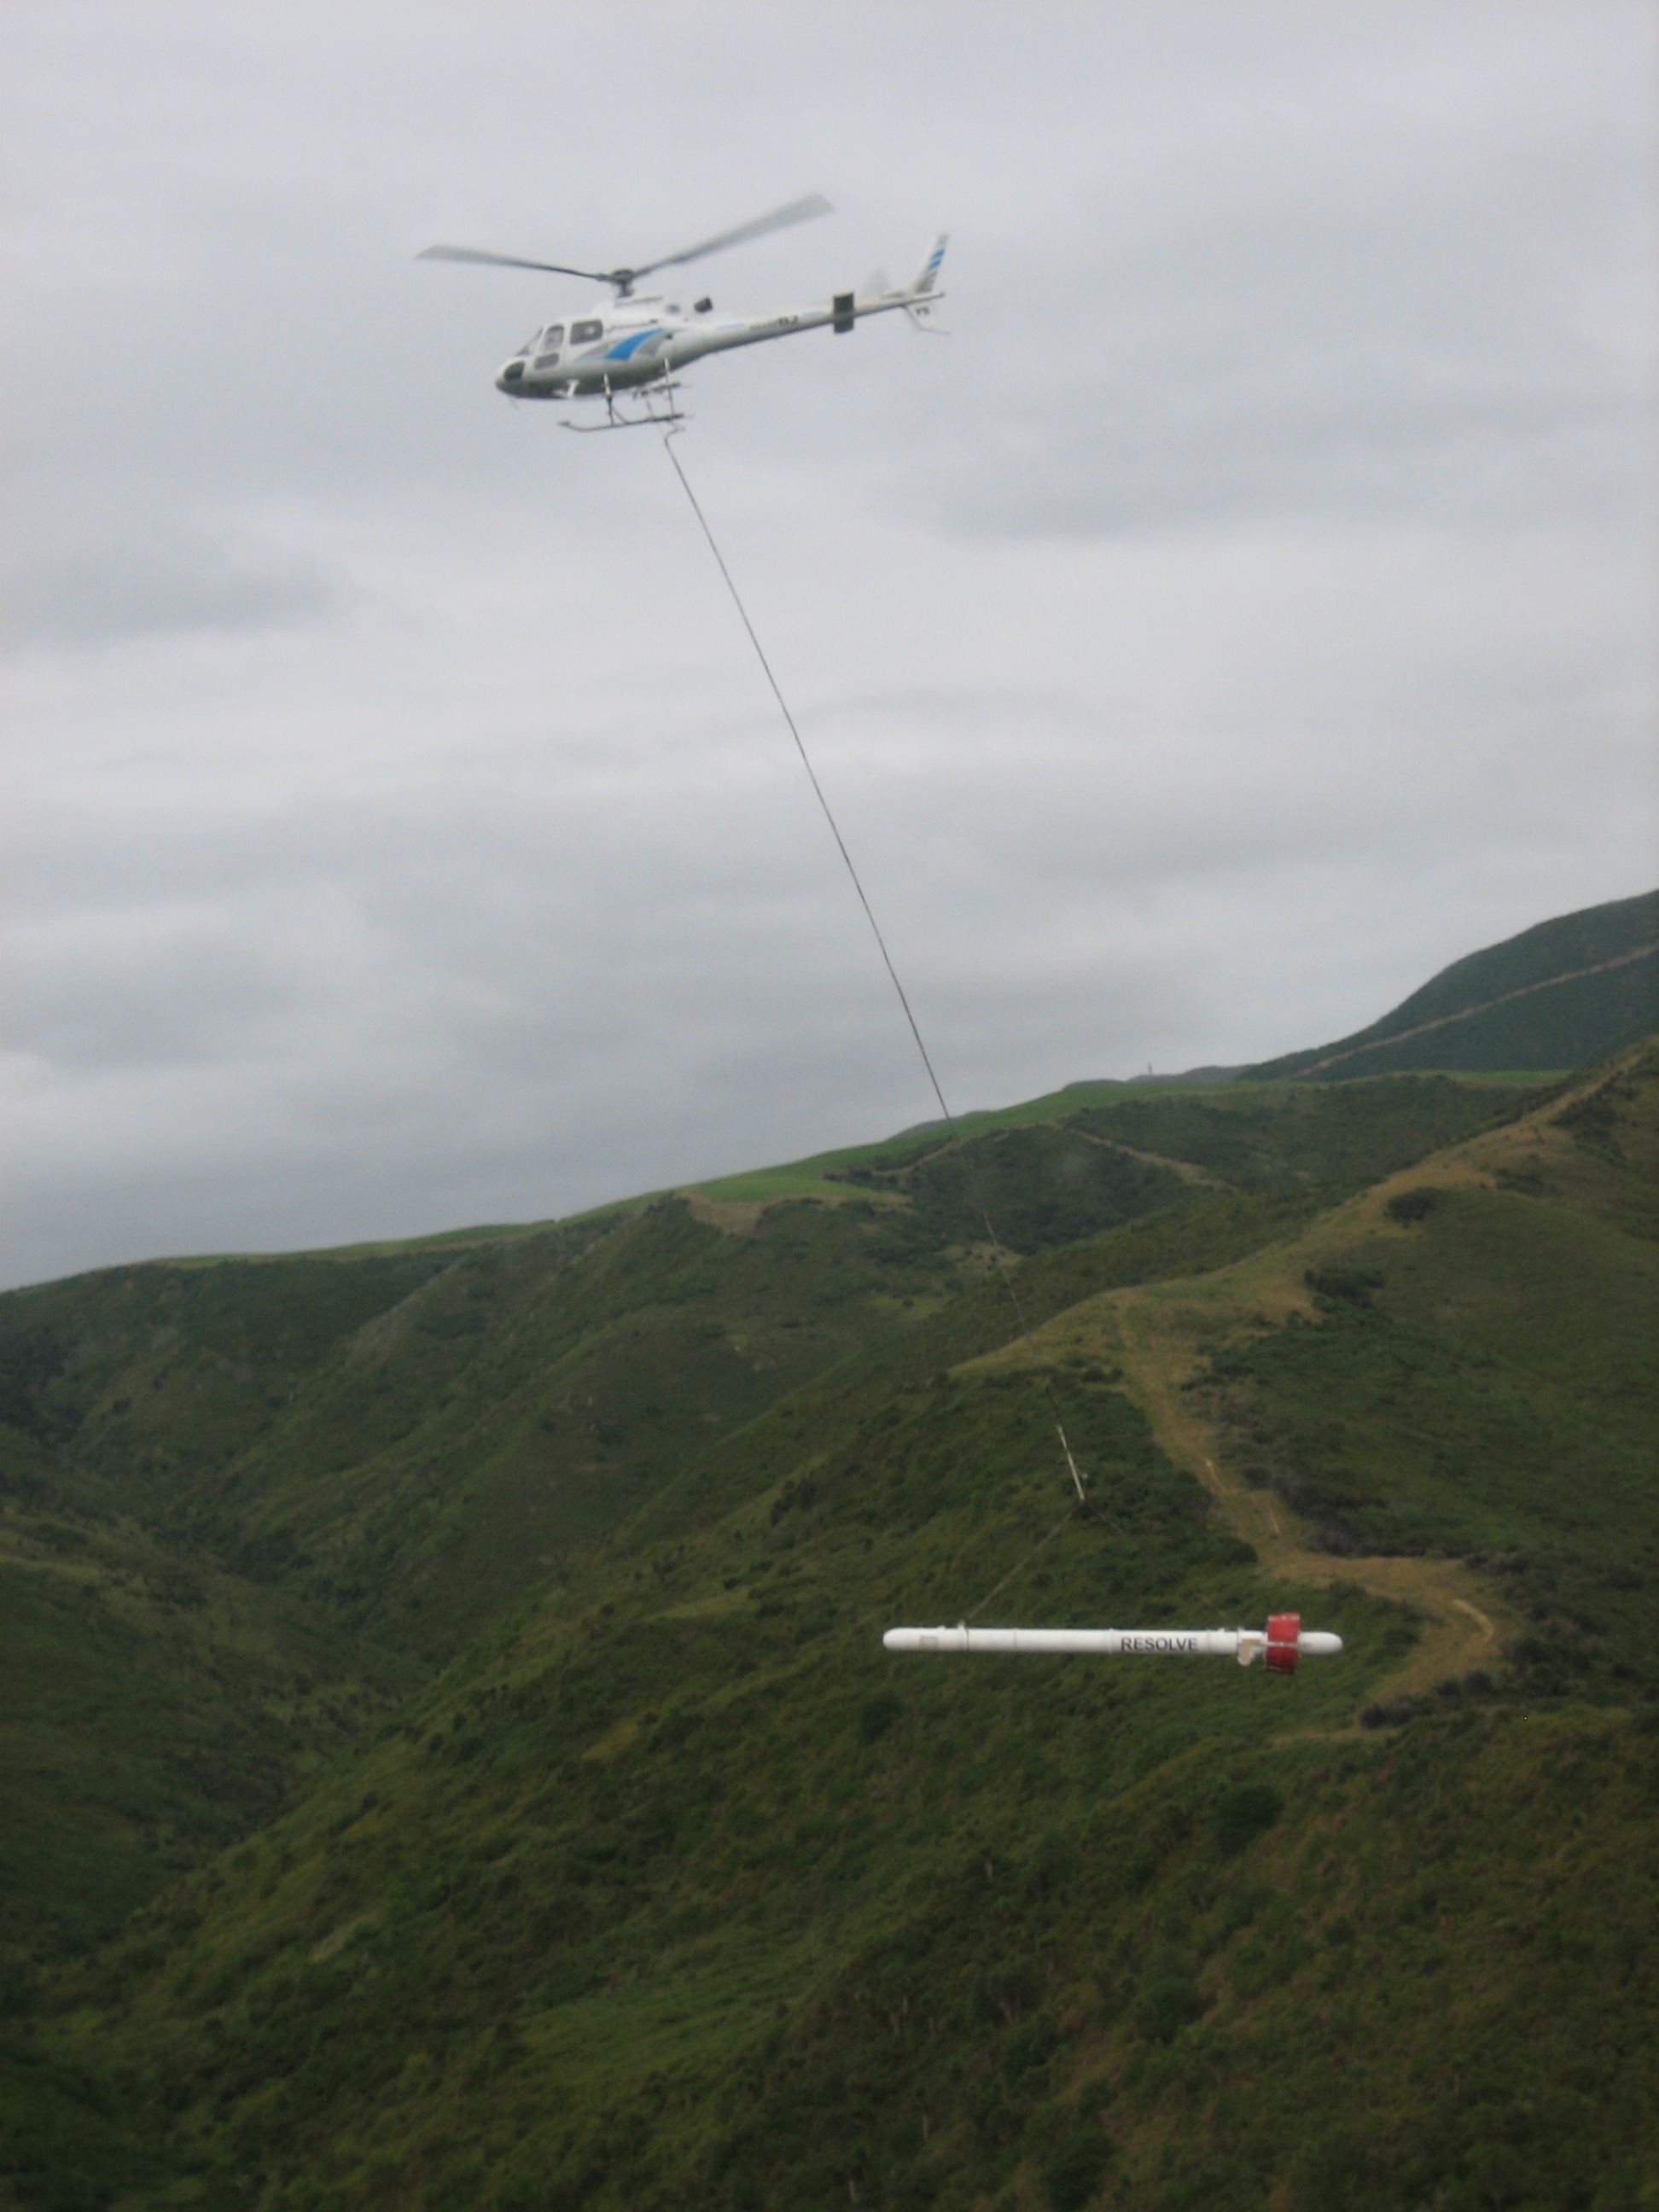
(618, 345)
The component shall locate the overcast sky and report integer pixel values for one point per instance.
(1246, 610)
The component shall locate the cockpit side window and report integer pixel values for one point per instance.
(584, 333)
(552, 337)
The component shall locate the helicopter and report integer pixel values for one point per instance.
(635, 342)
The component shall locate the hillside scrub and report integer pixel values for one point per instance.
(493, 1790)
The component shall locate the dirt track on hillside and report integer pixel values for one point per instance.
(1457, 1612)
(1154, 1333)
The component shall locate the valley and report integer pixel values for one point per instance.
(451, 1760)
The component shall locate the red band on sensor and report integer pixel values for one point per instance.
(1283, 1631)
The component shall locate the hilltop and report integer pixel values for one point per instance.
(452, 1761)
(1560, 995)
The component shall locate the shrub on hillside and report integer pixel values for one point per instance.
(1244, 1813)
(1167, 1998)
(1408, 1206)
(1073, 2174)
(877, 1714)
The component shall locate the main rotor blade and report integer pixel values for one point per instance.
(506, 261)
(779, 219)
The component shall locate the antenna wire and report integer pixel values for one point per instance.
(1004, 1268)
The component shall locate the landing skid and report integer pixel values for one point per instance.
(648, 416)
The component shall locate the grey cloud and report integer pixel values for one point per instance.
(150, 993)
(1238, 618)
(110, 590)
(1411, 339)
(1164, 462)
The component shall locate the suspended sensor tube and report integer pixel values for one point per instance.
(1282, 1643)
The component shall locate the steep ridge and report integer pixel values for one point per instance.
(1512, 1284)
(668, 1887)
(1560, 995)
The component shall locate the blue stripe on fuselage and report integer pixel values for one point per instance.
(630, 346)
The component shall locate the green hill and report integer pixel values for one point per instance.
(1561, 995)
(451, 1760)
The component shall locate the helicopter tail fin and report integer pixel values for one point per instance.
(928, 276)
(919, 301)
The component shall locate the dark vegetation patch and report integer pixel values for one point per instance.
(1343, 1285)
(1243, 1813)
(1406, 1206)
(1074, 2172)
(31, 1360)
(1039, 1187)
(1167, 1995)
(877, 1714)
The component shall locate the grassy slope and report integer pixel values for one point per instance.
(1568, 1024)
(154, 1709)
(673, 1889)
(156, 1703)
(1408, 1417)
(1256, 1136)
(1461, 1361)
(242, 1504)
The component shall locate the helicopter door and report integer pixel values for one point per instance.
(547, 354)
